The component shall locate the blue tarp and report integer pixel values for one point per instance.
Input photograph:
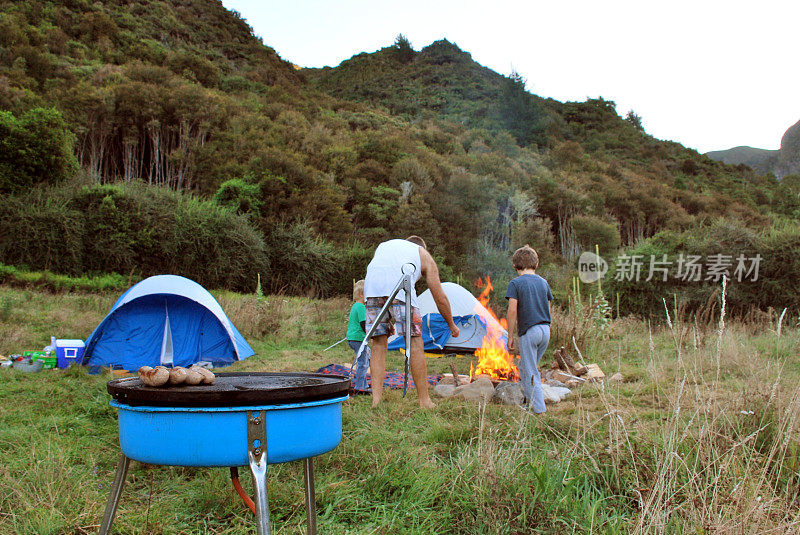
(435, 332)
(165, 319)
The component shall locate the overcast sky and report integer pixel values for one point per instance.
(708, 74)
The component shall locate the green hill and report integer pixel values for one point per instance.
(761, 160)
(782, 162)
(441, 80)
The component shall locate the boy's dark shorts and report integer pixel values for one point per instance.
(394, 321)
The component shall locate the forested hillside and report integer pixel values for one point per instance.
(637, 182)
(109, 105)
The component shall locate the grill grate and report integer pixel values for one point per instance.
(233, 389)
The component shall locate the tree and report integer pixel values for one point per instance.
(519, 111)
(463, 209)
(239, 195)
(34, 149)
(403, 49)
(590, 231)
(635, 120)
(415, 217)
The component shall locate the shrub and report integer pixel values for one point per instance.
(591, 231)
(568, 153)
(149, 50)
(301, 263)
(776, 287)
(213, 247)
(111, 220)
(154, 230)
(131, 229)
(191, 65)
(351, 265)
(239, 196)
(42, 233)
(36, 148)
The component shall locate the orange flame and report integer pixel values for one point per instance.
(494, 359)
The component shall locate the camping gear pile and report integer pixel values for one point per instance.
(26, 363)
(61, 353)
(251, 419)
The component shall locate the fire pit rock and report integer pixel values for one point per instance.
(481, 389)
(444, 390)
(508, 393)
(554, 394)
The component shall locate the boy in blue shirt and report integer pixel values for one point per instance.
(529, 299)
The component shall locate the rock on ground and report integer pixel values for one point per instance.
(616, 378)
(444, 390)
(554, 394)
(508, 393)
(481, 389)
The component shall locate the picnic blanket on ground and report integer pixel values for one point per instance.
(393, 379)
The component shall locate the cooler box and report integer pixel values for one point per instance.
(69, 352)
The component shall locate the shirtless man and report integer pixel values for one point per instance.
(383, 273)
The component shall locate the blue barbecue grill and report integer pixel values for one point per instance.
(243, 419)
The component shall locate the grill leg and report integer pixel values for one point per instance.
(311, 501)
(259, 470)
(116, 491)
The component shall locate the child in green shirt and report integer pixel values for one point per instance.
(355, 335)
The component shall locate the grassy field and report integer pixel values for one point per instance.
(701, 437)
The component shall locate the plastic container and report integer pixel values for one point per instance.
(28, 366)
(69, 352)
(48, 363)
(47, 359)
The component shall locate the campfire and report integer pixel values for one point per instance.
(494, 359)
(495, 377)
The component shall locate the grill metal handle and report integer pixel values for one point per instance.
(257, 454)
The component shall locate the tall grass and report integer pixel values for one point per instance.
(702, 436)
(722, 455)
(15, 276)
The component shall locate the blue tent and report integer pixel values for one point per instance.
(436, 334)
(165, 320)
(472, 318)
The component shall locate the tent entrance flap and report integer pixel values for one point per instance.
(166, 344)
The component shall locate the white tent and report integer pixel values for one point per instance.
(473, 322)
